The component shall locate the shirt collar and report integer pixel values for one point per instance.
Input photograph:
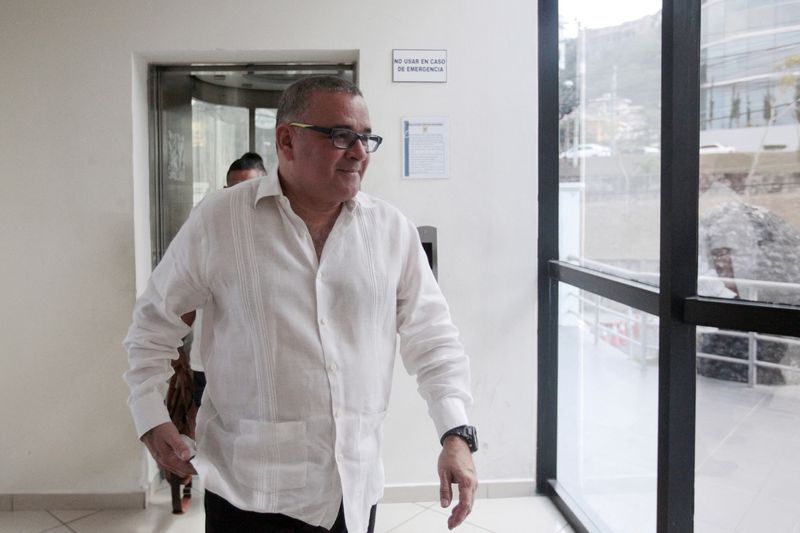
(270, 185)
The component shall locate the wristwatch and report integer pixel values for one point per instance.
(468, 433)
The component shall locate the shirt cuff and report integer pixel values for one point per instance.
(148, 412)
(447, 414)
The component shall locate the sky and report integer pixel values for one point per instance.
(600, 14)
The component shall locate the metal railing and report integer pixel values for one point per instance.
(636, 334)
(632, 331)
(752, 362)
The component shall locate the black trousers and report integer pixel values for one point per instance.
(222, 517)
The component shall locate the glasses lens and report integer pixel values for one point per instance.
(342, 138)
(373, 141)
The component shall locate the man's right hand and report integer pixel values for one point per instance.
(169, 450)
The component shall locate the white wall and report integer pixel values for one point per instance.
(73, 157)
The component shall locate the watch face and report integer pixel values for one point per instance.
(468, 433)
(473, 437)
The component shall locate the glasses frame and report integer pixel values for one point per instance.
(365, 138)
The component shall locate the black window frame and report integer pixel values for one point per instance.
(675, 301)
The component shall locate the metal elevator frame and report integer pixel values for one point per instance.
(250, 98)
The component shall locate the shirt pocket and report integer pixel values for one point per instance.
(271, 456)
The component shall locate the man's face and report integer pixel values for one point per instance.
(238, 176)
(316, 170)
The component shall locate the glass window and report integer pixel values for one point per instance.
(608, 410)
(265, 137)
(747, 469)
(749, 230)
(735, 16)
(610, 128)
(219, 136)
(760, 51)
(760, 17)
(715, 27)
(789, 13)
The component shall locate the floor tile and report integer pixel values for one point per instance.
(68, 516)
(721, 505)
(704, 527)
(435, 522)
(769, 514)
(509, 514)
(157, 517)
(427, 505)
(783, 483)
(391, 515)
(738, 470)
(623, 512)
(26, 521)
(146, 521)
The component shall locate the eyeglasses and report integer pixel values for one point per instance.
(344, 138)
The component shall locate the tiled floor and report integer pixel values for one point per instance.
(509, 515)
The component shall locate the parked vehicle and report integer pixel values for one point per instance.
(716, 148)
(586, 150)
(638, 150)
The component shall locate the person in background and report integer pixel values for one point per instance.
(306, 283)
(249, 166)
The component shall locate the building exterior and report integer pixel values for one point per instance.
(750, 74)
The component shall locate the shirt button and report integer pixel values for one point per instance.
(320, 275)
(332, 367)
(339, 458)
(322, 321)
(336, 413)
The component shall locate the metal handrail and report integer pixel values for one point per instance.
(596, 326)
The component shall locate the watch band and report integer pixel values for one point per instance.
(468, 433)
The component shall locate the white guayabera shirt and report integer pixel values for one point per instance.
(298, 353)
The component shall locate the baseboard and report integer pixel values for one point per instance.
(499, 488)
(69, 502)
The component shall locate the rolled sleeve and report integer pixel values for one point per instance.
(429, 343)
(176, 286)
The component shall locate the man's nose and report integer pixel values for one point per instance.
(358, 151)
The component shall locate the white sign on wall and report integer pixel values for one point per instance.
(419, 65)
(425, 147)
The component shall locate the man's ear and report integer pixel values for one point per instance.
(284, 140)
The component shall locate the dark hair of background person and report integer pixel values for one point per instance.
(247, 162)
(252, 156)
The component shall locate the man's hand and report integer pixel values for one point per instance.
(456, 466)
(168, 450)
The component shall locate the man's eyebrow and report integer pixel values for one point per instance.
(351, 128)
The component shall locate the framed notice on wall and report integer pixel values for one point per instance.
(426, 148)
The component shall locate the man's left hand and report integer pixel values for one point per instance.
(456, 466)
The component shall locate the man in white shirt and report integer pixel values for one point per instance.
(305, 283)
